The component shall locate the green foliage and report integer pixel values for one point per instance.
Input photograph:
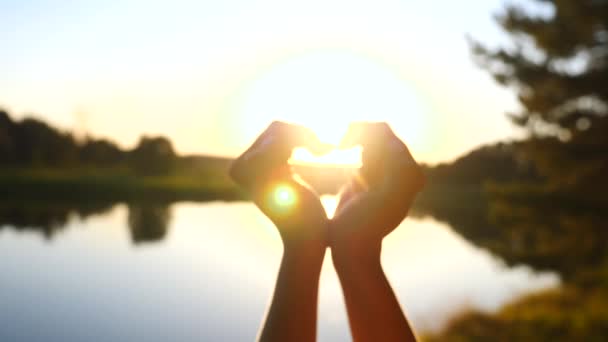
(558, 65)
(152, 156)
(497, 163)
(100, 152)
(33, 143)
(578, 165)
(119, 184)
(567, 314)
(549, 230)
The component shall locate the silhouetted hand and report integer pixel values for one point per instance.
(375, 202)
(370, 207)
(290, 203)
(297, 212)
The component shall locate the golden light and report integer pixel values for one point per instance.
(325, 91)
(330, 204)
(284, 196)
(345, 158)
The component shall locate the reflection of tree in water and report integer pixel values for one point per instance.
(547, 232)
(533, 228)
(148, 222)
(465, 211)
(45, 217)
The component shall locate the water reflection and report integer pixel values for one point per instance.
(148, 222)
(46, 217)
(210, 272)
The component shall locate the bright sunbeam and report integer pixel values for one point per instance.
(284, 196)
(281, 198)
(326, 91)
(347, 158)
(330, 204)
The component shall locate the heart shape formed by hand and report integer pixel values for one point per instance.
(269, 155)
(349, 151)
(327, 167)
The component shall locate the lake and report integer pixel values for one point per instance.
(206, 271)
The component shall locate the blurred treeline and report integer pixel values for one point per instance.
(557, 63)
(48, 176)
(32, 142)
(39, 161)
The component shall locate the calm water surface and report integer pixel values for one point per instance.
(192, 272)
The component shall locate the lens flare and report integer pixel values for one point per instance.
(284, 196)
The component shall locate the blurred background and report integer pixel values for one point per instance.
(118, 120)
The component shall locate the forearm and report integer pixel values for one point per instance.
(293, 313)
(373, 310)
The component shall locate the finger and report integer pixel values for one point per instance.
(382, 149)
(398, 152)
(266, 154)
(275, 145)
(277, 141)
(348, 193)
(373, 137)
(366, 134)
(292, 136)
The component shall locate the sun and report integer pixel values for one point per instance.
(325, 91)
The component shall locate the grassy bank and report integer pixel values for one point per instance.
(113, 185)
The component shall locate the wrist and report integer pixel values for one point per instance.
(352, 260)
(303, 257)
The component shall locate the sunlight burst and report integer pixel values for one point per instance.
(284, 196)
(325, 91)
(344, 158)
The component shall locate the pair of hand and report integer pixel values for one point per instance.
(371, 205)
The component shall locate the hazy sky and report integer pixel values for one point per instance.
(211, 74)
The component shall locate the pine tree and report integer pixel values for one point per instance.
(558, 65)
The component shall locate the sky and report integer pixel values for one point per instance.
(211, 75)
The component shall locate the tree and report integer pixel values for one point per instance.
(558, 65)
(37, 143)
(7, 143)
(153, 156)
(100, 152)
